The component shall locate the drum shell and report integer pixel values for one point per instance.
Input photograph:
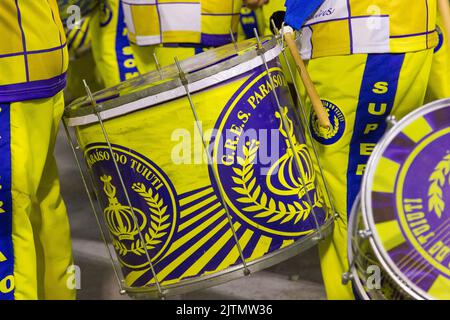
(201, 241)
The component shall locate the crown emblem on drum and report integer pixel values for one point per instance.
(289, 182)
(120, 217)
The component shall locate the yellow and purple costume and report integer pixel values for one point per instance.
(35, 247)
(367, 61)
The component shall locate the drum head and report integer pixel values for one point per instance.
(406, 201)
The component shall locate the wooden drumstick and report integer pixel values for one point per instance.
(444, 9)
(318, 107)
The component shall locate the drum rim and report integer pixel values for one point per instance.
(351, 228)
(366, 198)
(233, 273)
(213, 75)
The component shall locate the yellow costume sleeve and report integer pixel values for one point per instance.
(35, 59)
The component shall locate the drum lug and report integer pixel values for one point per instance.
(391, 121)
(347, 277)
(364, 234)
(317, 238)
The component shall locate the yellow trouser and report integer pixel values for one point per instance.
(116, 59)
(36, 253)
(111, 49)
(359, 91)
(439, 84)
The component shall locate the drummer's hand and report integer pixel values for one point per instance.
(254, 4)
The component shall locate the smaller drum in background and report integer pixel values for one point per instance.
(399, 233)
(86, 7)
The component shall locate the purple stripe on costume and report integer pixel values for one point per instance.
(159, 22)
(184, 45)
(350, 25)
(32, 52)
(379, 67)
(346, 18)
(215, 40)
(39, 89)
(6, 207)
(413, 34)
(371, 16)
(60, 42)
(426, 28)
(24, 43)
(62, 53)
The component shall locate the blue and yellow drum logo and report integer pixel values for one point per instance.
(423, 199)
(143, 218)
(335, 132)
(263, 164)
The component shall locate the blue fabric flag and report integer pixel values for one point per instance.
(298, 11)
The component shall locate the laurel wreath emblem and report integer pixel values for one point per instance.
(326, 133)
(255, 200)
(158, 223)
(438, 178)
(1, 207)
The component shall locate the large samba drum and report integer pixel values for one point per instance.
(399, 236)
(201, 170)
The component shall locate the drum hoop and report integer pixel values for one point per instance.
(366, 198)
(235, 272)
(199, 80)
